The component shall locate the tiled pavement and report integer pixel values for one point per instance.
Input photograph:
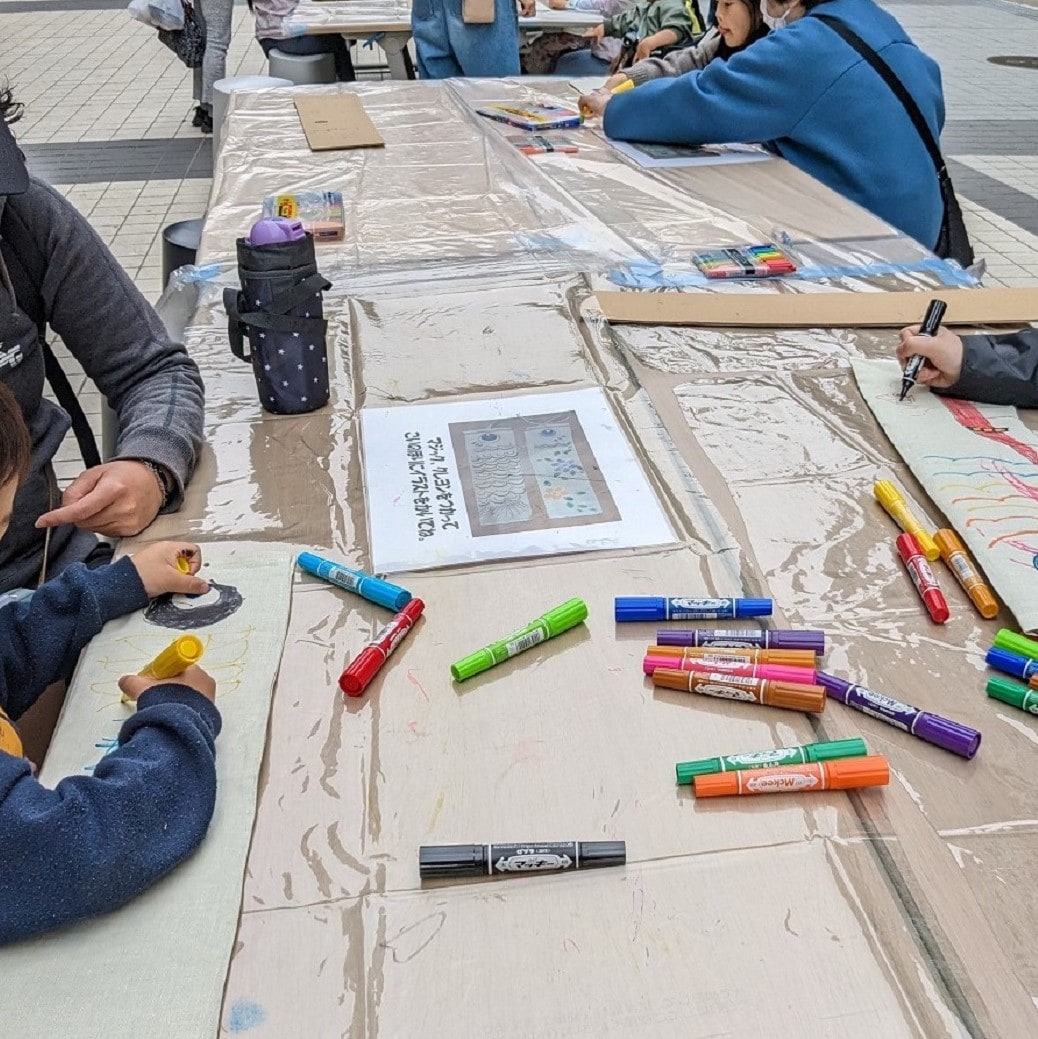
(108, 112)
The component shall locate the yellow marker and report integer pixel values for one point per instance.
(10, 741)
(174, 660)
(960, 564)
(183, 564)
(887, 495)
(622, 88)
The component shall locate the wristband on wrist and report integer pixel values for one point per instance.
(162, 477)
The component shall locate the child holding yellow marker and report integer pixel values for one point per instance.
(96, 841)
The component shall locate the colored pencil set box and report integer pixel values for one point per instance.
(532, 116)
(322, 213)
(745, 261)
(542, 143)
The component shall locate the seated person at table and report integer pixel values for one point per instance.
(55, 270)
(991, 369)
(96, 841)
(739, 23)
(656, 23)
(815, 101)
(272, 18)
(541, 56)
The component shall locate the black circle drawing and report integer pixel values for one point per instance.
(185, 613)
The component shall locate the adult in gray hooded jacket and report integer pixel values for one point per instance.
(54, 267)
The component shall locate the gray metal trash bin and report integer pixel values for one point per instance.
(302, 69)
(180, 243)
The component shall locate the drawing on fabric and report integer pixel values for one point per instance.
(187, 612)
(531, 472)
(224, 658)
(979, 463)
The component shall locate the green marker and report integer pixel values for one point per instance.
(1014, 694)
(688, 770)
(1006, 639)
(553, 623)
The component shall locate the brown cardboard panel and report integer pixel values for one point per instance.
(1014, 306)
(335, 122)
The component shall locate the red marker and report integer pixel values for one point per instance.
(368, 662)
(922, 577)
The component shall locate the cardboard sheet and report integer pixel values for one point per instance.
(337, 123)
(762, 306)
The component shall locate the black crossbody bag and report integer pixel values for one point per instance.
(953, 243)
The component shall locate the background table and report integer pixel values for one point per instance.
(467, 271)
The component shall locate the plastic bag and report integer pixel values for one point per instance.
(159, 14)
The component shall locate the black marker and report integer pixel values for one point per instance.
(483, 860)
(932, 322)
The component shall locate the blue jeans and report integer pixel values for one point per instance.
(447, 47)
(580, 63)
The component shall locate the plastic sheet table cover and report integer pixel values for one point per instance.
(906, 911)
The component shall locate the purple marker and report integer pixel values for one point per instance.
(733, 638)
(941, 732)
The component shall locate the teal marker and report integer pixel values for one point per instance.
(1024, 647)
(830, 751)
(553, 623)
(1014, 694)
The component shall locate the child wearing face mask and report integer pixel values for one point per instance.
(738, 23)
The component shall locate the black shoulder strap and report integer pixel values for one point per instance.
(31, 260)
(890, 78)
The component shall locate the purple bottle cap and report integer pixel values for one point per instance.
(943, 732)
(273, 229)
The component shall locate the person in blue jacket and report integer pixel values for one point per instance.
(447, 46)
(96, 841)
(809, 96)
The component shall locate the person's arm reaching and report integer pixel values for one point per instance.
(992, 369)
(95, 842)
(151, 382)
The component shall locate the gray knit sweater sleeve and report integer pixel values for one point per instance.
(114, 333)
(678, 62)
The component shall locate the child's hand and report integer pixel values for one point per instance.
(527, 8)
(134, 686)
(558, 5)
(943, 353)
(157, 567)
(596, 32)
(595, 103)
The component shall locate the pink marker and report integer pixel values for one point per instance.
(774, 672)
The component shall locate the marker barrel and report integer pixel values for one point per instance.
(1011, 663)
(368, 662)
(554, 622)
(744, 655)
(777, 672)
(1020, 696)
(941, 732)
(627, 608)
(749, 638)
(791, 696)
(831, 750)
(374, 589)
(849, 774)
(482, 860)
(959, 563)
(923, 578)
(895, 506)
(1014, 643)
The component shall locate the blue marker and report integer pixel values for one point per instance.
(654, 608)
(374, 589)
(1011, 663)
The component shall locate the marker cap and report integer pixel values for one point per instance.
(452, 860)
(1012, 693)
(1006, 639)
(639, 608)
(794, 696)
(753, 607)
(1009, 663)
(949, 735)
(851, 773)
(566, 616)
(471, 665)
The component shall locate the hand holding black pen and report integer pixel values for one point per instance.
(929, 327)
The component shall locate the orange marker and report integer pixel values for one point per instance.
(965, 571)
(849, 774)
(747, 656)
(791, 695)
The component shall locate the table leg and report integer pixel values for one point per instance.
(397, 57)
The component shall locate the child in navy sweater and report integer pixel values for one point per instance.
(95, 842)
